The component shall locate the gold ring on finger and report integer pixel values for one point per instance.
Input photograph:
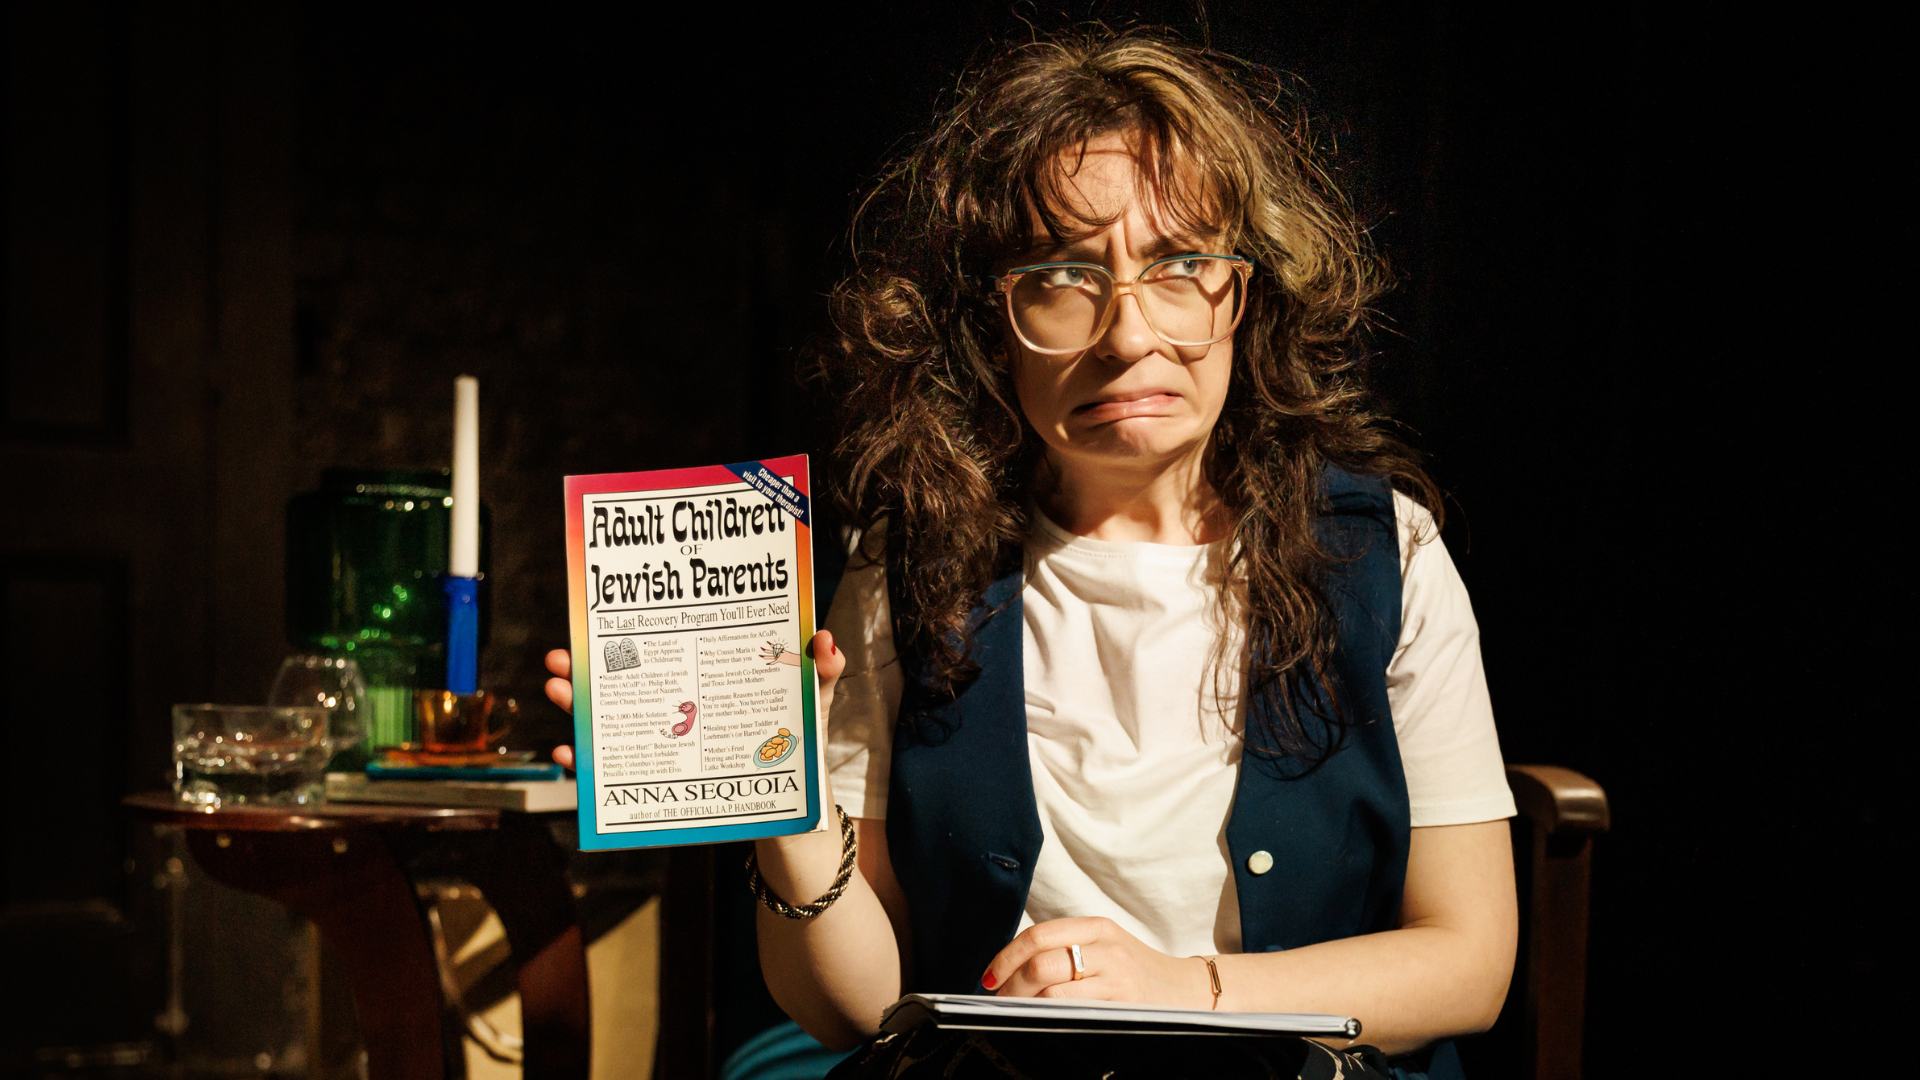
(1079, 965)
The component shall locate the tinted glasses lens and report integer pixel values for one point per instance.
(1193, 301)
(1058, 307)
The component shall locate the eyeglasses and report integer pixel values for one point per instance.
(1188, 300)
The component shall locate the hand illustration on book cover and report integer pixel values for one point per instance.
(776, 652)
(687, 709)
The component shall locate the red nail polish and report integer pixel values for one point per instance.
(989, 981)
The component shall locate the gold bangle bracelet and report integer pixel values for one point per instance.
(1213, 975)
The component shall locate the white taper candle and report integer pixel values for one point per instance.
(464, 559)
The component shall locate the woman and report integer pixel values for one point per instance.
(1145, 684)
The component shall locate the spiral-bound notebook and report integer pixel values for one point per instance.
(965, 1012)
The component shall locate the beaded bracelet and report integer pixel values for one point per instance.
(849, 850)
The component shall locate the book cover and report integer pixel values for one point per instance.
(694, 703)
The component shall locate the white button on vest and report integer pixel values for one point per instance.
(1260, 862)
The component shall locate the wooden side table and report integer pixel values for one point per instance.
(341, 865)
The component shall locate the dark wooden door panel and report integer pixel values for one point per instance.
(66, 182)
(63, 706)
(145, 351)
(64, 881)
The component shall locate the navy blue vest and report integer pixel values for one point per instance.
(964, 832)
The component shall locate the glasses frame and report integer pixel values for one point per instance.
(1004, 284)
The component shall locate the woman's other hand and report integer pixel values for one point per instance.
(828, 663)
(1118, 967)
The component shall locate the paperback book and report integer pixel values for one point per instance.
(694, 702)
(531, 796)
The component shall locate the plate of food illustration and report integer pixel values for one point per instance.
(775, 750)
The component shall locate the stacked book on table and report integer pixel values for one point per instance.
(530, 788)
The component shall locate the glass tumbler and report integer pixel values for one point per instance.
(333, 683)
(250, 755)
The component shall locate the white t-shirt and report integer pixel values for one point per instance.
(1135, 682)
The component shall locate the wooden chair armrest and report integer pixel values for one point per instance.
(1561, 812)
(1558, 800)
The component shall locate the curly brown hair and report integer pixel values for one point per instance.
(935, 448)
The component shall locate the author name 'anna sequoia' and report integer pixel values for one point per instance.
(664, 582)
(724, 791)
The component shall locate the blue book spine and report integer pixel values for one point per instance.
(497, 773)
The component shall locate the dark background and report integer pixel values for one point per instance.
(1641, 255)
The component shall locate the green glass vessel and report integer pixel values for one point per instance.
(365, 558)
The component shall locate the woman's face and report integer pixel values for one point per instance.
(1130, 400)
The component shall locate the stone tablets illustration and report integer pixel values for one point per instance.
(622, 654)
